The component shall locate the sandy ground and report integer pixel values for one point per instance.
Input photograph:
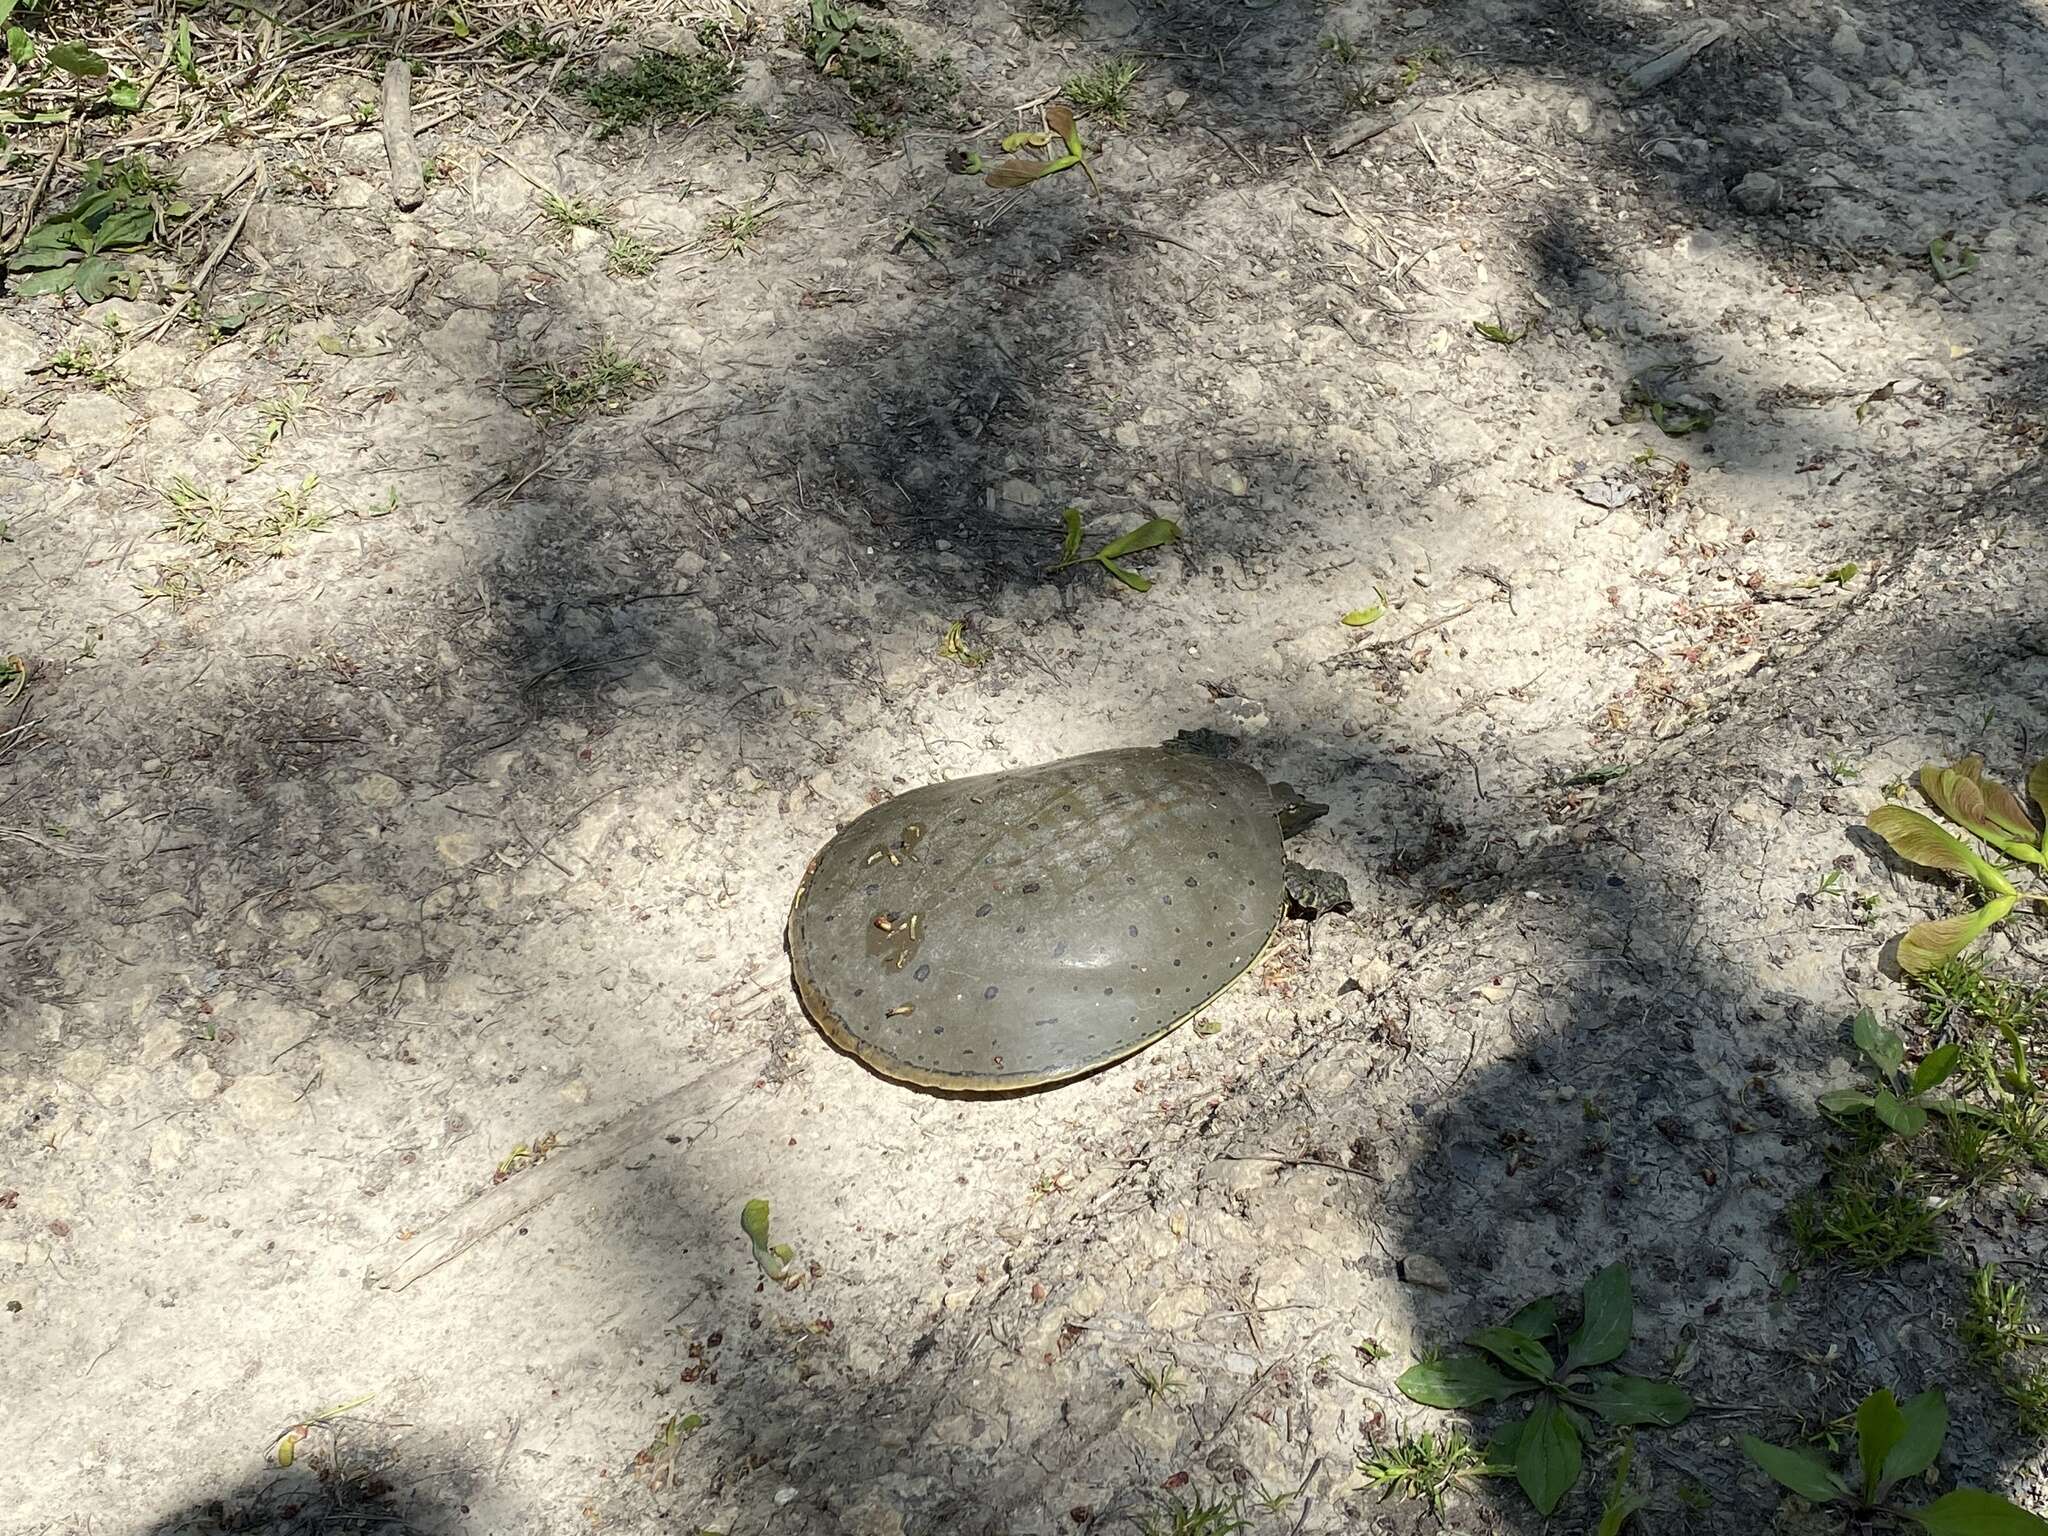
(475, 818)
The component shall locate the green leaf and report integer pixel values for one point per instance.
(1906, 1119)
(77, 59)
(56, 280)
(2037, 791)
(181, 52)
(6, 11)
(1129, 578)
(1515, 1350)
(1841, 1101)
(21, 48)
(1636, 1400)
(1879, 1427)
(1459, 1381)
(1919, 840)
(1358, 618)
(1072, 546)
(1547, 1455)
(1538, 1319)
(1621, 1503)
(1878, 1041)
(1609, 1319)
(1973, 1512)
(1804, 1474)
(1148, 535)
(1926, 945)
(1926, 1419)
(1936, 1066)
(124, 95)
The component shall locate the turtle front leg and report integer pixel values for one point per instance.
(1313, 892)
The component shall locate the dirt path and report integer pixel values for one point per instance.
(431, 663)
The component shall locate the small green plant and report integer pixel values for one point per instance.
(1204, 1517)
(1105, 91)
(1147, 535)
(734, 231)
(630, 256)
(1998, 1331)
(1544, 1448)
(659, 88)
(1622, 1502)
(1159, 1382)
(566, 215)
(84, 360)
(1988, 811)
(603, 381)
(1049, 18)
(1903, 1099)
(1428, 1467)
(1870, 1212)
(776, 1260)
(888, 81)
(274, 416)
(119, 212)
(1894, 1443)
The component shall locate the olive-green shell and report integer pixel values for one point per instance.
(1018, 928)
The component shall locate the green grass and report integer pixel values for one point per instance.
(1049, 18)
(888, 80)
(1106, 90)
(1870, 1212)
(659, 88)
(603, 381)
(1160, 1383)
(734, 231)
(566, 215)
(1998, 1331)
(630, 256)
(228, 535)
(1429, 1467)
(1204, 1517)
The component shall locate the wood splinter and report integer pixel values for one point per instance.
(408, 183)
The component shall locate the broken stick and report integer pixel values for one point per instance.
(408, 184)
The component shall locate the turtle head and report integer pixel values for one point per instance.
(1294, 809)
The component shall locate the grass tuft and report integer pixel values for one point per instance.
(1106, 90)
(603, 381)
(659, 88)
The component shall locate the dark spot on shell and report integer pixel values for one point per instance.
(923, 973)
(1109, 991)
(984, 909)
(872, 888)
(938, 1029)
(1030, 826)
(1214, 854)
(1059, 949)
(1176, 962)
(857, 991)
(1189, 882)
(1030, 889)
(1132, 930)
(1130, 879)
(991, 992)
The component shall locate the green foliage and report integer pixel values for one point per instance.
(659, 88)
(603, 381)
(1902, 1099)
(1988, 811)
(1105, 91)
(889, 81)
(1895, 1442)
(118, 212)
(1540, 1358)
(1148, 535)
(1997, 1329)
(1204, 1517)
(1428, 1467)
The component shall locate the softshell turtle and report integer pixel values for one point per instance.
(1019, 928)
